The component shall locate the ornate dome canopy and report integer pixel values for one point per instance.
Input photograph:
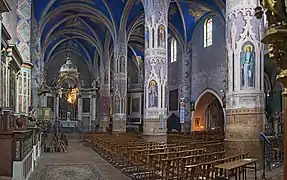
(68, 66)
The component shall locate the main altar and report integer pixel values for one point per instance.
(73, 106)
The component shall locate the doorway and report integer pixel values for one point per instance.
(208, 114)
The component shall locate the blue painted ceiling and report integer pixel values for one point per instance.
(88, 23)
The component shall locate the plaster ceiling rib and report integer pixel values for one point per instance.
(114, 36)
(135, 54)
(81, 35)
(106, 51)
(67, 19)
(140, 20)
(124, 18)
(92, 13)
(45, 11)
(57, 34)
(136, 38)
(58, 44)
(183, 23)
(67, 38)
(65, 50)
(95, 35)
(176, 34)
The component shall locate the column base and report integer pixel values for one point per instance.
(119, 123)
(104, 123)
(155, 137)
(243, 130)
(152, 126)
(185, 128)
(255, 148)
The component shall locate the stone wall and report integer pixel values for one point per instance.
(208, 63)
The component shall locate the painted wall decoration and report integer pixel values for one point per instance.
(147, 38)
(122, 64)
(161, 36)
(153, 94)
(161, 121)
(106, 77)
(182, 110)
(117, 104)
(247, 65)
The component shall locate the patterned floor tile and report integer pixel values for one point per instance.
(71, 172)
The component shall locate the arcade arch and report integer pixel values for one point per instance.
(209, 112)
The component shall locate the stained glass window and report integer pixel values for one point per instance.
(173, 50)
(208, 32)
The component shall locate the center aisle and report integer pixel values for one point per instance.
(79, 163)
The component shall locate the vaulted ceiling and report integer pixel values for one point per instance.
(90, 27)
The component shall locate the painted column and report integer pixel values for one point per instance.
(80, 100)
(244, 98)
(104, 99)
(24, 29)
(156, 67)
(185, 92)
(1, 78)
(94, 111)
(36, 61)
(120, 88)
(23, 45)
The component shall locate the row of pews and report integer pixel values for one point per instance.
(180, 157)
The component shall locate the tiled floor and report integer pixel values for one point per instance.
(79, 163)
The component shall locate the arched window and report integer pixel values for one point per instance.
(173, 50)
(208, 32)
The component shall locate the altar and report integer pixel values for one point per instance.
(73, 105)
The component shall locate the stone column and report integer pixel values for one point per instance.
(24, 29)
(156, 67)
(244, 98)
(23, 45)
(94, 111)
(185, 92)
(120, 88)
(1, 78)
(80, 100)
(37, 70)
(104, 99)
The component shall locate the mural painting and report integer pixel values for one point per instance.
(117, 104)
(247, 65)
(161, 36)
(122, 64)
(153, 94)
(106, 78)
(147, 38)
(182, 110)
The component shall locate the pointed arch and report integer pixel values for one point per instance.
(208, 32)
(173, 50)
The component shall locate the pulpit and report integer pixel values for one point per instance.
(19, 145)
